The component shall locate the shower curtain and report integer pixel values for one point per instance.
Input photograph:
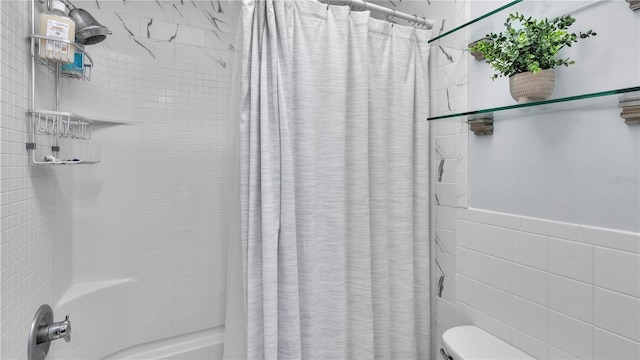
(334, 184)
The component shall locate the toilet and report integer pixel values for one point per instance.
(471, 343)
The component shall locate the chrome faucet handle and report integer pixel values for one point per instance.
(64, 329)
(43, 331)
(55, 331)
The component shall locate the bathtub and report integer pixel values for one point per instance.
(201, 345)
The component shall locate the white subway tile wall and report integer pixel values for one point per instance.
(581, 304)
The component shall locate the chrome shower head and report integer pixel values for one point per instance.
(88, 29)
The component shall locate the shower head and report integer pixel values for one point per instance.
(88, 29)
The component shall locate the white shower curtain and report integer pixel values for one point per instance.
(334, 184)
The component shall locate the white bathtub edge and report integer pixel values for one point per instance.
(206, 344)
(80, 290)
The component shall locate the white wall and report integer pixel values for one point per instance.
(573, 175)
(576, 166)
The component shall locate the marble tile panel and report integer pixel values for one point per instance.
(219, 39)
(190, 35)
(446, 55)
(442, 102)
(158, 50)
(446, 147)
(161, 30)
(448, 126)
(446, 172)
(117, 23)
(446, 218)
(201, 16)
(216, 57)
(451, 75)
(126, 45)
(445, 241)
(446, 194)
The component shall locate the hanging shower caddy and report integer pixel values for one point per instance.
(53, 122)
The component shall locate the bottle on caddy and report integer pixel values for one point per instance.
(56, 24)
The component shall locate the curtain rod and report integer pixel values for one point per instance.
(360, 5)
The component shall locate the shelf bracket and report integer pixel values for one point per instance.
(634, 4)
(477, 54)
(630, 110)
(481, 125)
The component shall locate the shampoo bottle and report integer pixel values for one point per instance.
(56, 24)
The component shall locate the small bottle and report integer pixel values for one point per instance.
(76, 68)
(57, 25)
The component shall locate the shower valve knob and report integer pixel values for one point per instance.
(55, 331)
(43, 331)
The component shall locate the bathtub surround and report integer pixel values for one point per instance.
(172, 204)
(146, 228)
(334, 184)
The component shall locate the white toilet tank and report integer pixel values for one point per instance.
(471, 342)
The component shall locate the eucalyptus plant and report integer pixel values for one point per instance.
(530, 46)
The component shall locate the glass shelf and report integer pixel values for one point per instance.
(486, 9)
(490, 13)
(598, 100)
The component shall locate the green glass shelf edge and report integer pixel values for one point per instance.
(538, 103)
(474, 20)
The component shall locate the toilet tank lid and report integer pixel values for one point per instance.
(471, 342)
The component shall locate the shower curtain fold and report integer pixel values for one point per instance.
(334, 184)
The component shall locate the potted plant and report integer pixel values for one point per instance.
(527, 53)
